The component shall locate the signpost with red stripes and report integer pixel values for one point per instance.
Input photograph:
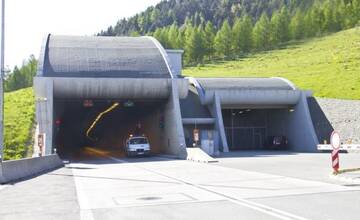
(335, 143)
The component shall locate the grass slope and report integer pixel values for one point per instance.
(330, 66)
(19, 119)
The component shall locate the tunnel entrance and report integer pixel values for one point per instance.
(105, 125)
(256, 129)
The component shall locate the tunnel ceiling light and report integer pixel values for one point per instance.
(116, 104)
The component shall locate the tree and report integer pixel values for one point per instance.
(21, 77)
(329, 17)
(223, 40)
(314, 22)
(209, 36)
(194, 48)
(236, 45)
(242, 35)
(297, 26)
(246, 34)
(173, 37)
(276, 29)
(261, 33)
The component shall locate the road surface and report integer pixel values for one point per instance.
(247, 185)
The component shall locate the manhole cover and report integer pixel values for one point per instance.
(149, 198)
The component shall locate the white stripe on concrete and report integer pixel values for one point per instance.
(85, 211)
(253, 205)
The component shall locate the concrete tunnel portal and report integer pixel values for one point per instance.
(85, 123)
(79, 78)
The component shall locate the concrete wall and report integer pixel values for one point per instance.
(44, 101)
(174, 139)
(249, 97)
(175, 57)
(299, 127)
(215, 109)
(13, 170)
(129, 88)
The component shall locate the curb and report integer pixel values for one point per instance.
(338, 177)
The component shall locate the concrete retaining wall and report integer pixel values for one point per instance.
(13, 170)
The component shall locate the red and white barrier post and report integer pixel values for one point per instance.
(335, 143)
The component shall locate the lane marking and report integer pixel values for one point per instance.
(85, 214)
(243, 202)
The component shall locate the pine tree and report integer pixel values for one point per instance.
(194, 46)
(209, 36)
(173, 37)
(284, 25)
(223, 40)
(242, 35)
(261, 33)
(355, 6)
(236, 45)
(297, 26)
(246, 34)
(276, 29)
(328, 16)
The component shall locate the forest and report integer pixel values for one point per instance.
(228, 29)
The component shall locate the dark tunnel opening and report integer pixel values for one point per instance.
(80, 125)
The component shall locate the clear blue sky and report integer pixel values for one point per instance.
(28, 21)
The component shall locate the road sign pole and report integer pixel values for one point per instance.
(335, 160)
(335, 143)
(2, 66)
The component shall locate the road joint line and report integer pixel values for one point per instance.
(255, 206)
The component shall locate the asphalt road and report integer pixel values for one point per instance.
(248, 185)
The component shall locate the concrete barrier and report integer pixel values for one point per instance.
(198, 155)
(13, 170)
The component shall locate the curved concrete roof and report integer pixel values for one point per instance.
(274, 83)
(93, 56)
(268, 92)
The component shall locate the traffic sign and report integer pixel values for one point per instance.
(335, 143)
(335, 140)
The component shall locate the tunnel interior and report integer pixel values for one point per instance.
(105, 125)
(252, 129)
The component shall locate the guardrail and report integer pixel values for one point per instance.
(347, 147)
(14, 170)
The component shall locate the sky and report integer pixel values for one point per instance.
(28, 21)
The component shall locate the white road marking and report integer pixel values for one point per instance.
(243, 202)
(85, 213)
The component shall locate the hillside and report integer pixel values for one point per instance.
(19, 117)
(168, 12)
(330, 66)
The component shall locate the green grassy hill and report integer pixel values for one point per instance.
(19, 123)
(330, 66)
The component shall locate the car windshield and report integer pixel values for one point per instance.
(138, 141)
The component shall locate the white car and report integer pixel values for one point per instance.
(137, 145)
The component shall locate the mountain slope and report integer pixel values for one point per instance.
(167, 12)
(330, 66)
